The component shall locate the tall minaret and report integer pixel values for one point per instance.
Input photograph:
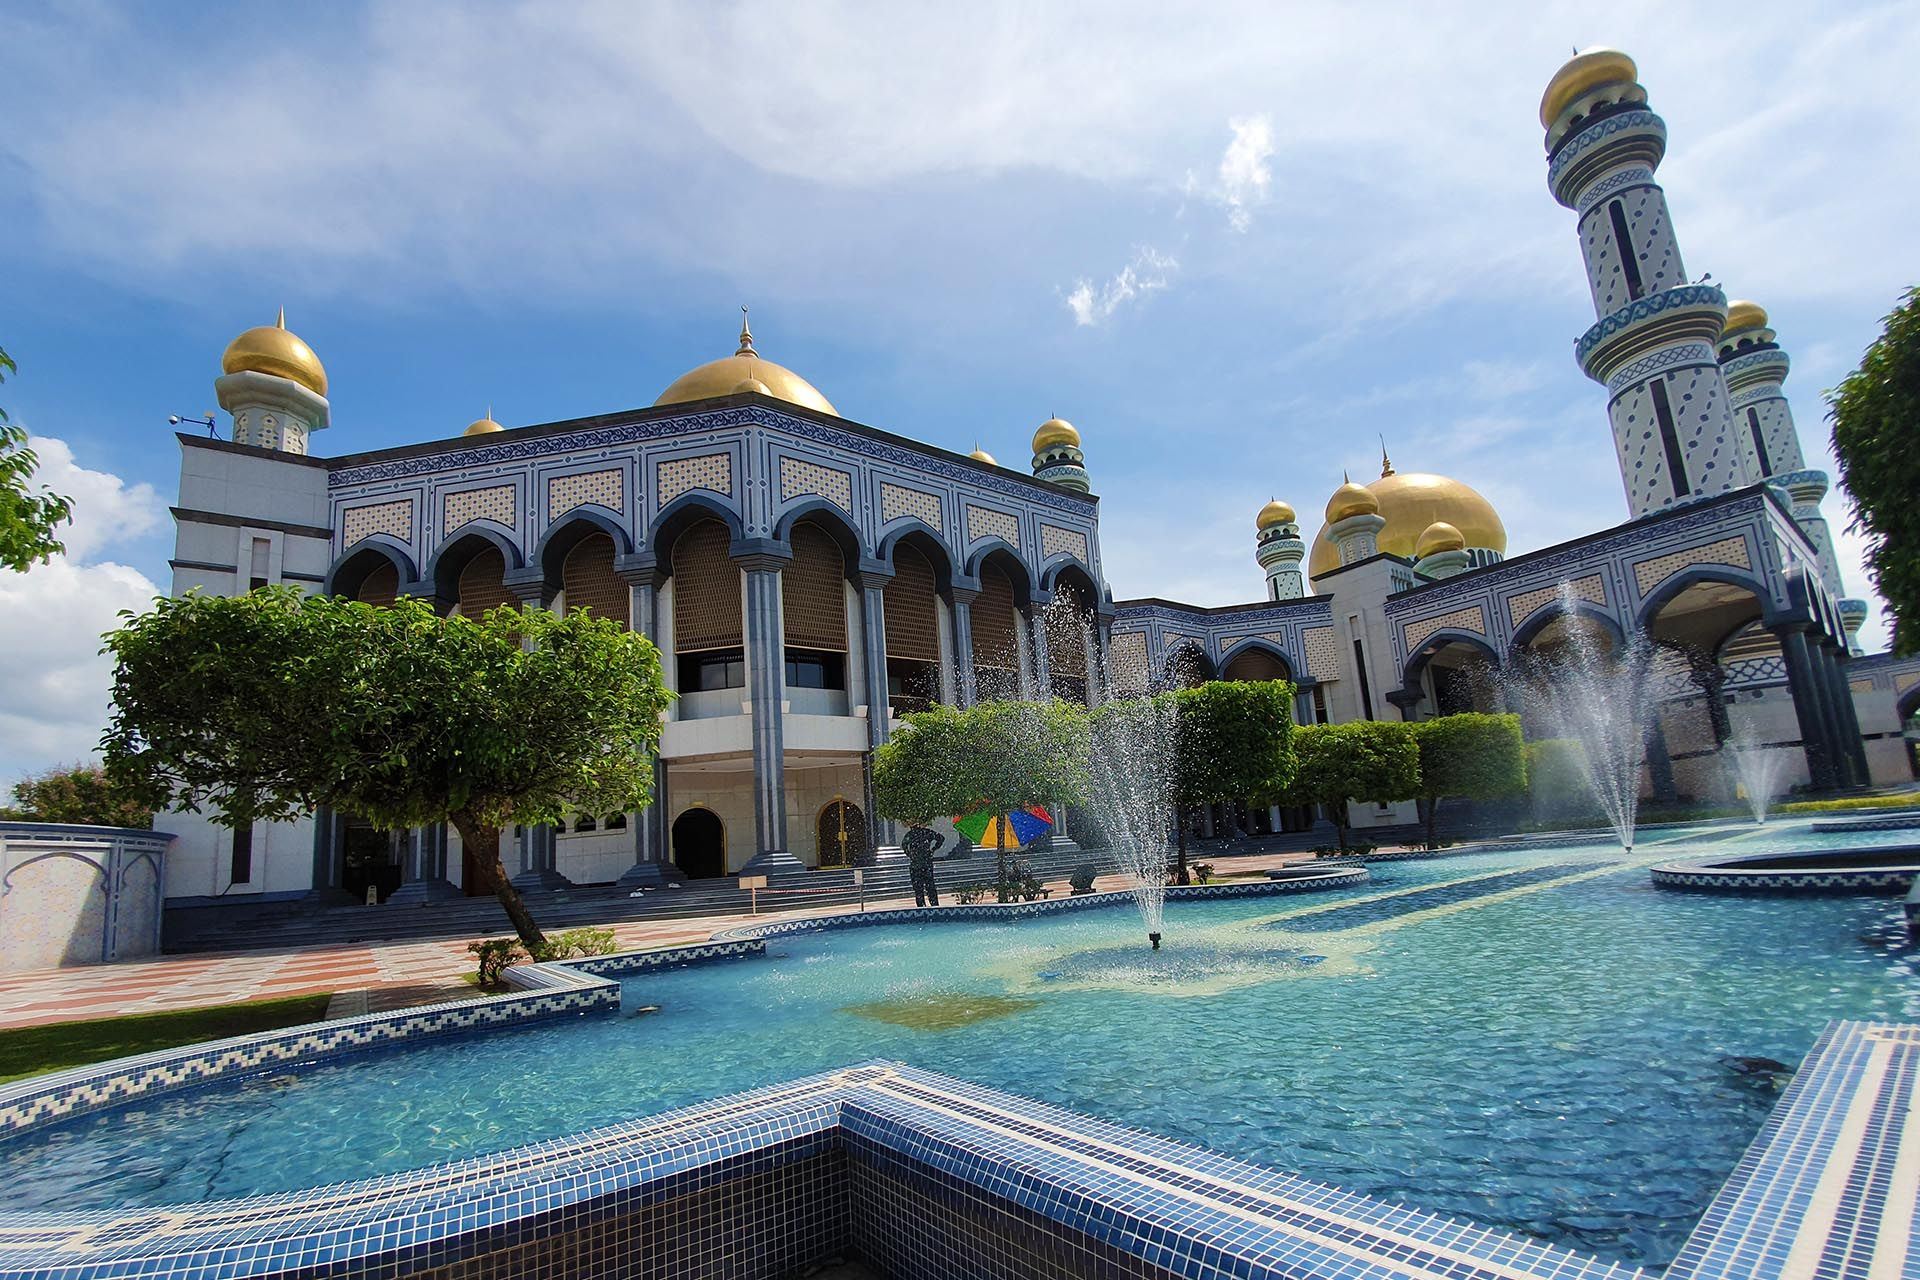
(1280, 550)
(275, 388)
(1755, 367)
(1652, 346)
(1057, 457)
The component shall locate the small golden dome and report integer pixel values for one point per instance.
(1742, 314)
(981, 455)
(729, 374)
(1351, 499)
(483, 426)
(1410, 501)
(1582, 73)
(271, 349)
(1275, 512)
(1438, 536)
(1055, 431)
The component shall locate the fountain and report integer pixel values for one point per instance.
(1601, 695)
(1131, 772)
(1756, 768)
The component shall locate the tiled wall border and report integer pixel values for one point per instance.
(1759, 873)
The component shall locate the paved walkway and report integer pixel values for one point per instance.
(377, 975)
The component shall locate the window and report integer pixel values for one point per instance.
(240, 869)
(712, 670)
(585, 823)
(816, 670)
(1670, 438)
(258, 573)
(1616, 212)
(618, 822)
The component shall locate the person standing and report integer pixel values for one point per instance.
(920, 842)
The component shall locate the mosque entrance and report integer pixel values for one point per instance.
(700, 844)
(841, 835)
(369, 858)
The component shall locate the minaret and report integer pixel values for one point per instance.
(1755, 367)
(1652, 345)
(1441, 551)
(1280, 551)
(1354, 522)
(1057, 457)
(275, 388)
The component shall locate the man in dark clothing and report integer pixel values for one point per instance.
(920, 842)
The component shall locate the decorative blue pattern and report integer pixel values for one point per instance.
(1762, 873)
(1686, 295)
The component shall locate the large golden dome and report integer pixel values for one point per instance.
(270, 349)
(1584, 72)
(729, 374)
(1055, 431)
(1410, 501)
(1742, 314)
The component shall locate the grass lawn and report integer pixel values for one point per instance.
(32, 1051)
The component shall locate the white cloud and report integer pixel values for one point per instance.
(53, 699)
(1245, 175)
(1149, 272)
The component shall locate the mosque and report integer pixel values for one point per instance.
(809, 579)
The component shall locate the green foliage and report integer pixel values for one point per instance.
(29, 514)
(1470, 755)
(973, 893)
(916, 773)
(1235, 740)
(1203, 872)
(1369, 760)
(272, 704)
(493, 956)
(80, 793)
(1081, 881)
(1875, 412)
(571, 943)
(1557, 779)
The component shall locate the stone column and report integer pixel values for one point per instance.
(538, 871)
(652, 859)
(963, 598)
(423, 875)
(1849, 754)
(1801, 680)
(326, 890)
(872, 580)
(766, 691)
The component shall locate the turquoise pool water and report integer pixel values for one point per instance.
(1532, 1039)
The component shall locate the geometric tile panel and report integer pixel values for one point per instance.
(1067, 542)
(1323, 653)
(1589, 589)
(985, 523)
(897, 500)
(494, 504)
(681, 475)
(1649, 574)
(600, 488)
(1905, 681)
(1469, 619)
(1278, 638)
(798, 477)
(394, 519)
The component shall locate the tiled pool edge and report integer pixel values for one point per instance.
(1761, 873)
(767, 1172)
(547, 990)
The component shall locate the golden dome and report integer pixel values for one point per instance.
(483, 426)
(1055, 431)
(1742, 314)
(270, 349)
(1438, 536)
(1275, 512)
(981, 455)
(1351, 499)
(728, 374)
(1583, 72)
(1411, 501)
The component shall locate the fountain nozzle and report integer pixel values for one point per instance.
(1154, 938)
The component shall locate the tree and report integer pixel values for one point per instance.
(1875, 413)
(1233, 741)
(269, 705)
(916, 773)
(28, 516)
(1470, 755)
(80, 793)
(1336, 764)
(1003, 756)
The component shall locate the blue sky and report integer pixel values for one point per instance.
(1233, 248)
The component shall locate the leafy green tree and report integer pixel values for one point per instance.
(916, 773)
(1010, 755)
(268, 705)
(1233, 741)
(80, 793)
(28, 516)
(1377, 761)
(1471, 755)
(1875, 414)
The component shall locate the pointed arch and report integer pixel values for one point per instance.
(372, 554)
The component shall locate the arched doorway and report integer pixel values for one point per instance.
(841, 832)
(700, 844)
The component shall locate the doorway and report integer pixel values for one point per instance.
(841, 835)
(700, 844)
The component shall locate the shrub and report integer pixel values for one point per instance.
(1081, 881)
(1203, 872)
(494, 955)
(80, 793)
(1471, 755)
(973, 893)
(1372, 760)
(569, 943)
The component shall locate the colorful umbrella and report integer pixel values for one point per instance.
(983, 828)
